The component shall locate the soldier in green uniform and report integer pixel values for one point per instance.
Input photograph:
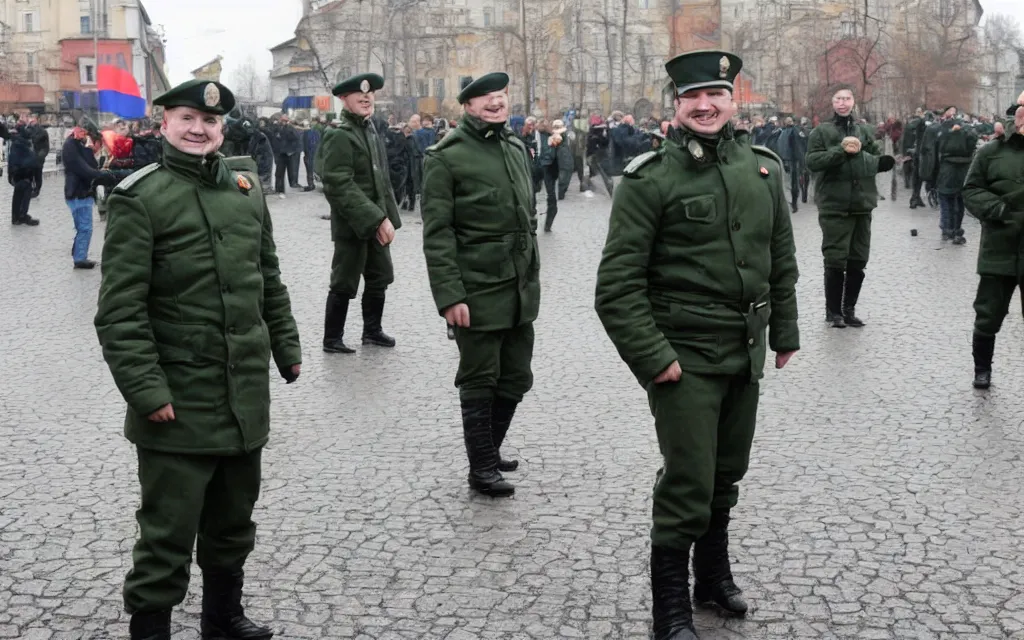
(698, 264)
(845, 158)
(994, 195)
(191, 309)
(480, 242)
(364, 216)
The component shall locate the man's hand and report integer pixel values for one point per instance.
(385, 233)
(851, 145)
(163, 414)
(956, 127)
(782, 359)
(290, 374)
(457, 315)
(671, 374)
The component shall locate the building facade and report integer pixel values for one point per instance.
(591, 55)
(51, 50)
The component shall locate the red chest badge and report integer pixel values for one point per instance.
(764, 172)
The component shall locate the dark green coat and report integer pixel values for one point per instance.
(928, 157)
(955, 150)
(480, 226)
(994, 194)
(843, 183)
(354, 168)
(691, 247)
(192, 306)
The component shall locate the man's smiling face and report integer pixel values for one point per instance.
(491, 108)
(359, 103)
(192, 131)
(704, 111)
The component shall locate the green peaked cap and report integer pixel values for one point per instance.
(483, 85)
(205, 95)
(359, 83)
(703, 70)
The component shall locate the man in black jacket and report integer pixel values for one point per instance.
(80, 172)
(21, 170)
(287, 147)
(41, 146)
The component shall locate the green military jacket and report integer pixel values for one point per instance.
(955, 150)
(843, 183)
(354, 169)
(994, 194)
(192, 306)
(700, 259)
(480, 225)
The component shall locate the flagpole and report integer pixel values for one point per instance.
(94, 5)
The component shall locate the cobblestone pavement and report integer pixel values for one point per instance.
(884, 498)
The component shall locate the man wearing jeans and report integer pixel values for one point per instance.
(955, 149)
(80, 171)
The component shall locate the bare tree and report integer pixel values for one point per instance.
(249, 82)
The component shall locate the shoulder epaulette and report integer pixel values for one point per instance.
(443, 142)
(765, 151)
(241, 163)
(137, 177)
(639, 162)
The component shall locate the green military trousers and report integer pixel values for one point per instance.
(705, 426)
(354, 258)
(845, 237)
(495, 363)
(992, 303)
(185, 496)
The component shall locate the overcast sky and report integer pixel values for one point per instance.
(199, 30)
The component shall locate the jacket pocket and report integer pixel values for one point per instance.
(486, 263)
(700, 209)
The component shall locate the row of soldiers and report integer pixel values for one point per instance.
(696, 283)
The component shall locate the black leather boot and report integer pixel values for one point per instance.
(334, 324)
(154, 625)
(670, 588)
(851, 293)
(712, 574)
(834, 279)
(484, 476)
(984, 347)
(373, 313)
(223, 617)
(502, 413)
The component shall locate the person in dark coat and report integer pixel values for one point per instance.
(41, 145)
(81, 171)
(21, 169)
(597, 151)
(414, 173)
(398, 161)
(287, 147)
(310, 144)
(955, 149)
(260, 150)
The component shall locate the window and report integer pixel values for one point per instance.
(86, 71)
(488, 17)
(644, 4)
(439, 88)
(28, 22)
(464, 80)
(422, 88)
(86, 26)
(848, 29)
(30, 68)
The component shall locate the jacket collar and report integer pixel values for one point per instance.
(206, 170)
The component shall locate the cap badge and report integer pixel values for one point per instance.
(364, 86)
(211, 95)
(695, 149)
(723, 67)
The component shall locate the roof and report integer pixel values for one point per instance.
(287, 43)
(207, 64)
(145, 14)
